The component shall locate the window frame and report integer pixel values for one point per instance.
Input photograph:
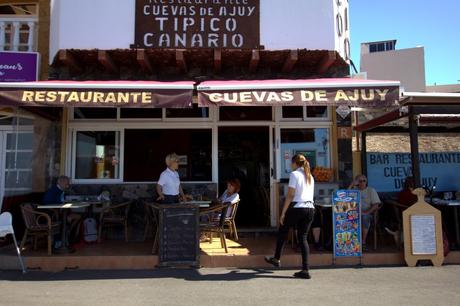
(164, 118)
(305, 117)
(71, 154)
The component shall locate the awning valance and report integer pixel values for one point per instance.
(314, 92)
(98, 94)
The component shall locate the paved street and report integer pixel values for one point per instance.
(370, 286)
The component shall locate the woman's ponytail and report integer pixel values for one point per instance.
(301, 161)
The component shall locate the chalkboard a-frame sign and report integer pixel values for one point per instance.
(179, 235)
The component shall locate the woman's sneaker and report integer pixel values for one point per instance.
(273, 261)
(302, 274)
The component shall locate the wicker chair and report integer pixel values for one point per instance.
(230, 220)
(114, 215)
(216, 226)
(38, 224)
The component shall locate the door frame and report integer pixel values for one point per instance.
(263, 124)
(2, 166)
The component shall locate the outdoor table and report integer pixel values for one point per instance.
(455, 204)
(202, 204)
(64, 209)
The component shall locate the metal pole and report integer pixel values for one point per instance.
(413, 133)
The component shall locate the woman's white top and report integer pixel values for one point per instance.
(304, 192)
(229, 198)
(169, 182)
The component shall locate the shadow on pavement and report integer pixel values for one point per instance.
(185, 274)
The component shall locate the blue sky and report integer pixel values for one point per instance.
(429, 23)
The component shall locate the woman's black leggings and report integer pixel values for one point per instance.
(301, 219)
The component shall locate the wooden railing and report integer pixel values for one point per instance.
(18, 33)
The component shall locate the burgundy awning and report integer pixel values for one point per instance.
(98, 94)
(314, 92)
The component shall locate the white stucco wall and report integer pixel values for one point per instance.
(404, 65)
(108, 24)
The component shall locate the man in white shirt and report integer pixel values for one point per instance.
(169, 188)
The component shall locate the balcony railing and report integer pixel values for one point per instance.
(18, 33)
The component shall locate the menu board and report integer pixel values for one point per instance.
(346, 221)
(179, 235)
(423, 232)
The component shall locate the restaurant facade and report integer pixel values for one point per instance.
(235, 88)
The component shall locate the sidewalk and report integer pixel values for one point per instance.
(367, 286)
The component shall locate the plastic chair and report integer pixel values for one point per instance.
(6, 227)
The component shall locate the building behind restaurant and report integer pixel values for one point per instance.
(123, 149)
(382, 60)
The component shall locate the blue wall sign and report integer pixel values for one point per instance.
(387, 171)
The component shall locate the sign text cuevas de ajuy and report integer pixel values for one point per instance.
(197, 24)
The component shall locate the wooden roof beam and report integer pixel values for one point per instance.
(180, 60)
(326, 62)
(106, 61)
(290, 61)
(217, 61)
(255, 59)
(69, 60)
(144, 61)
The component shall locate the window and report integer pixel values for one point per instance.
(382, 46)
(292, 112)
(95, 113)
(346, 19)
(194, 112)
(313, 143)
(304, 113)
(245, 113)
(97, 155)
(316, 111)
(145, 152)
(141, 113)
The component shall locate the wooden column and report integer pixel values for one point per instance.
(414, 149)
(364, 153)
(43, 41)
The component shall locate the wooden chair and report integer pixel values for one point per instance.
(229, 221)
(114, 215)
(375, 227)
(38, 224)
(150, 220)
(216, 226)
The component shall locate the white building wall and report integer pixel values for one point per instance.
(404, 65)
(108, 24)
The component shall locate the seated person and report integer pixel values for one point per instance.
(230, 195)
(405, 196)
(56, 195)
(370, 203)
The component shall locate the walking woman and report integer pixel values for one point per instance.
(298, 211)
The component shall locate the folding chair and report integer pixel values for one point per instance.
(6, 227)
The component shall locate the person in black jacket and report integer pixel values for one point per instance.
(56, 195)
